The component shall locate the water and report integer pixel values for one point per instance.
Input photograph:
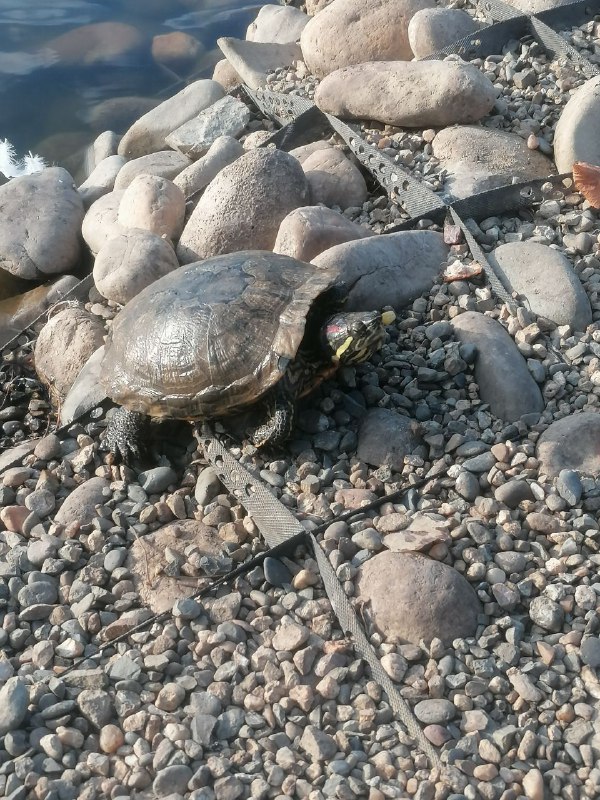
(54, 103)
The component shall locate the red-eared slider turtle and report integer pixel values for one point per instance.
(220, 335)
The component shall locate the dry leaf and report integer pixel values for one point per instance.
(587, 181)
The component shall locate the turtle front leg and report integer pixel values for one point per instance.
(279, 422)
(125, 435)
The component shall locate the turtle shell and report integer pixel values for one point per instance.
(212, 336)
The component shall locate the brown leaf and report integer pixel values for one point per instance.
(587, 181)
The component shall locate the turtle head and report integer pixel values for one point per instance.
(353, 336)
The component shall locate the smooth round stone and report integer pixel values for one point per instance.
(413, 597)
(48, 448)
(79, 506)
(575, 137)
(569, 487)
(590, 651)
(547, 279)
(38, 592)
(547, 614)
(501, 372)
(571, 443)
(435, 712)
(156, 480)
(432, 29)
(412, 94)
(276, 573)
(513, 492)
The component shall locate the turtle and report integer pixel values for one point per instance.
(250, 329)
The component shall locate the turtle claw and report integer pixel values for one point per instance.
(123, 437)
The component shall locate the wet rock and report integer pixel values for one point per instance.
(63, 346)
(227, 117)
(253, 61)
(99, 43)
(574, 137)
(547, 279)
(354, 31)
(385, 437)
(80, 504)
(478, 159)
(129, 262)
(34, 245)
(279, 24)
(154, 204)
(225, 74)
(504, 380)
(432, 29)
(164, 164)
(573, 443)
(408, 93)
(242, 208)
(223, 151)
(147, 134)
(387, 270)
(178, 51)
(412, 597)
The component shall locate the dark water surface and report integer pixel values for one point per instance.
(56, 75)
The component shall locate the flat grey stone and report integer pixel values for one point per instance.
(572, 442)
(547, 279)
(227, 117)
(575, 137)
(165, 164)
(14, 699)
(172, 779)
(478, 159)
(387, 270)
(385, 437)
(254, 60)
(501, 372)
(546, 613)
(569, 486)
(156, 480)
(79, 506)
(96, 706)
(277, 24)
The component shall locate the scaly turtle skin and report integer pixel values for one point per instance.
(223, 334)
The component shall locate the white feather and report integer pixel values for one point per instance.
(11, 167)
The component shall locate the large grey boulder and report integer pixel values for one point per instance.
(334, 180)
(165, 164)
(411, 597)
(227, 117)
(387, 270)
(408, 94)
(253, 61)
(242, 208)
(501, 372)
(101, 180)
(34, 244)
(100, 223)
(353, 31)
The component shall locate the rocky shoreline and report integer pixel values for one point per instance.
(479, 591)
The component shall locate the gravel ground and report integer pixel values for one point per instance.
(255, 692)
